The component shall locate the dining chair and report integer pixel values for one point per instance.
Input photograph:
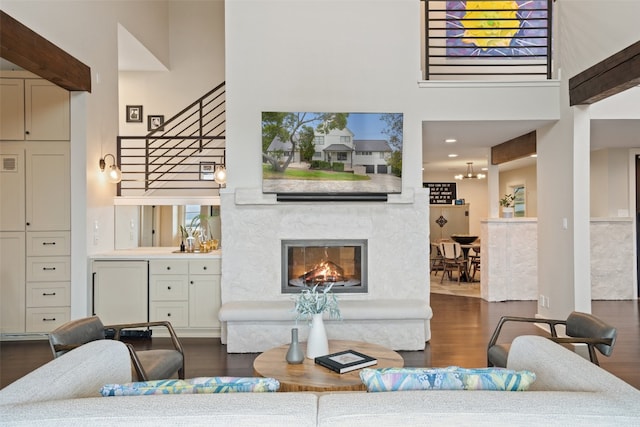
(452, 259)
(474, 262)
(436, 258)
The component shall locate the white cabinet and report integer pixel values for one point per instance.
(35, 204)
(169, 291)
(48, 286)
(12, 109)
(33, 109)
(12, 186)
(35, 186)
(204, 293)
(35, 201)
(12, 287)
(186, 292)
(120, 291)
(48, 186)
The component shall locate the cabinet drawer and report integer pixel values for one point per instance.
(48, 243)
(169, 266)
(48, 294)
(48, 269)
(175, 312)
(46, 319)
(169, 287)
(204, 266)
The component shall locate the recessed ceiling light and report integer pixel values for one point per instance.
(450, 140)
(485, 169)
(453, 155)
(534, 155)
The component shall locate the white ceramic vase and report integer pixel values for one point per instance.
(317, 343)
(507, 212)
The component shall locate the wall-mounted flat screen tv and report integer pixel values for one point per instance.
(331, 154)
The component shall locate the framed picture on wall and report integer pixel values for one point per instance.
(519, 200)
(134, 113)
(207, 171)
(155, 123)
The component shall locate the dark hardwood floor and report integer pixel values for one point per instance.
(461, 327)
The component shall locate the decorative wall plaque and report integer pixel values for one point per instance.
(441, 193)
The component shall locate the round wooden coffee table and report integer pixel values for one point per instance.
(308, 376)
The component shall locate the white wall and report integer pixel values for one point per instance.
(320, 56)
(526, 176)
(610, 183)
(329, 56)
(473, 191)
(563, 157)
(195, 31)
(476, 192)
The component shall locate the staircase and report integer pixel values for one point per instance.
(180, 157)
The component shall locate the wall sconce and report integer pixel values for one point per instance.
(115, 174)
(221, 175)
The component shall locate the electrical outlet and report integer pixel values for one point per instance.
(96, 233)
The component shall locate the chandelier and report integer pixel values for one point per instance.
(470, 174)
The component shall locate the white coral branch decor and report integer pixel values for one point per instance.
(310, 302)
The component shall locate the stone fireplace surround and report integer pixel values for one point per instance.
(395, 312)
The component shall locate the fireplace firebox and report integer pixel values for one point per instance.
(307, 263)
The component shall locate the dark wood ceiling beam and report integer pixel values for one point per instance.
(615, 74)
(28, 50)
(516, 148)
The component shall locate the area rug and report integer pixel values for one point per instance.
(453, 288)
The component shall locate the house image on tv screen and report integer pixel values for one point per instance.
(332, 152)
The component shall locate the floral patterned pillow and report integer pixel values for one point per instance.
(451, 378)
(195, 385)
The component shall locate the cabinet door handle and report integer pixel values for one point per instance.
(168, 314)
(191, 282)
(27, 132)
(169, 287)
(48, 294)
(52, 319)
(48, 243)
(204, 268)
(168, 267)
(48, 268)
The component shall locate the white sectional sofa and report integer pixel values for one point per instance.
(569, 390)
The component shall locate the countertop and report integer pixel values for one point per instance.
(154, 253)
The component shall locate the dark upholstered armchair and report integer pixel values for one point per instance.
(581, 328)
(156, 364)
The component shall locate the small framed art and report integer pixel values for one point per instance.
(134, 113)
(207, 171)
(155, 122)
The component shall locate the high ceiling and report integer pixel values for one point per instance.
(474, 140)
(615, 124)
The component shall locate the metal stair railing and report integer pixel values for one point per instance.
(180, 156)
(488, 40)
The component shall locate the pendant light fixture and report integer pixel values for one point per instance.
(470, 174)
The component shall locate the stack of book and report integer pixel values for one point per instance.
(345, 361)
